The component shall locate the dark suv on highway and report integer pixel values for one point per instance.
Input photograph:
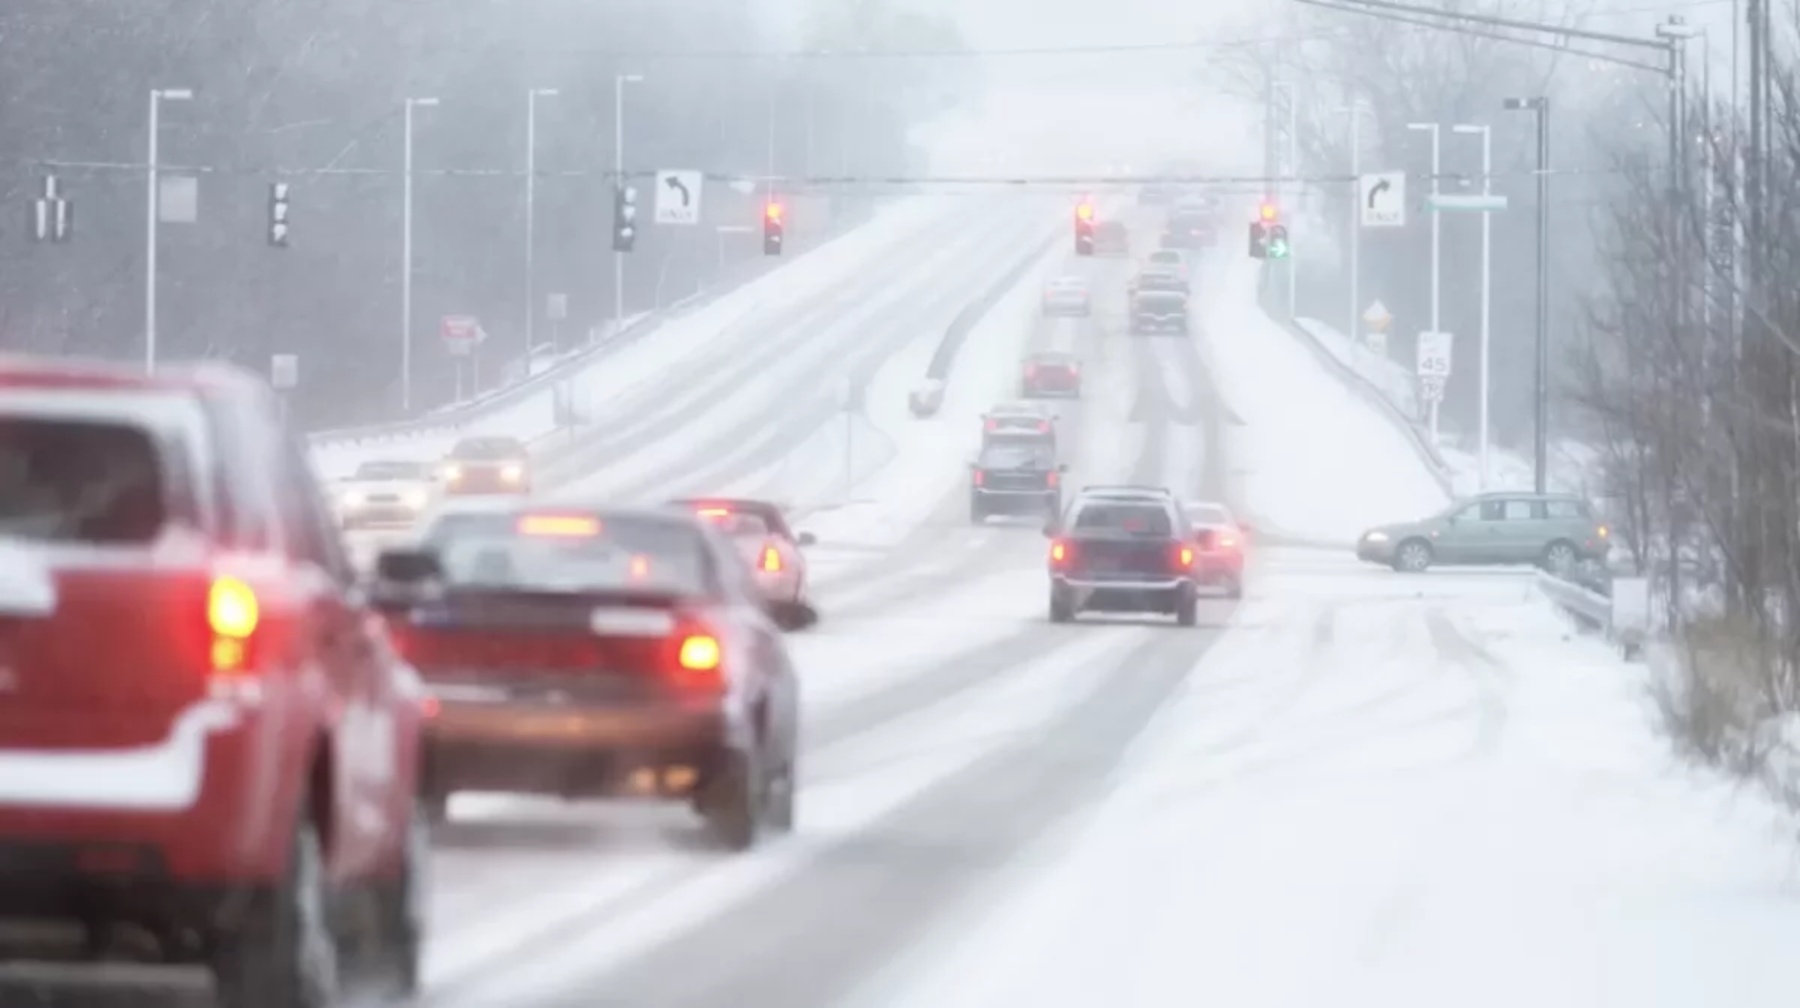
(1123, 549)
(1015, 476)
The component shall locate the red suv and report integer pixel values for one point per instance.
(208, 745)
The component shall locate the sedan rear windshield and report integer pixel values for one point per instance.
(80, 482)
(1127, 517)
(572, 553)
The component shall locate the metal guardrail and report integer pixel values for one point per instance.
(1621, 613)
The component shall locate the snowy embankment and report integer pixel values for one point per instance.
(608, 374)
(1312, 458)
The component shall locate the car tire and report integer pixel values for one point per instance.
(1187, 606)
(282, 953)
(783, 790)
(1062, 607)
(1560, 557)
(736, 802)
(406, 910)
(1413, 556)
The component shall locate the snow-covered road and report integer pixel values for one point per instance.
(1353, 787)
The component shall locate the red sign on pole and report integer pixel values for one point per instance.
(461, 333)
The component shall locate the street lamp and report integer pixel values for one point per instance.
(406, 243)
(531, 98)
(619, 83)
(1436, 257)
(1354, 110)
(1487, 278)
(157, 97)
(1541, 441)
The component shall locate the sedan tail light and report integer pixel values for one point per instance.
(1050, 478)
(699, 659)
(771, 560)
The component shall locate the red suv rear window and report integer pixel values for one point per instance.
(80, 481)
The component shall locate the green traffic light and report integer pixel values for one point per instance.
(1278, 248)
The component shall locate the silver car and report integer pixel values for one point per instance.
(1068, 296)
(386, 493)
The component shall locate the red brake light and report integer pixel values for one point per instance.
(980, 477)
(1059, 552)
(1184, 558)
(232, 614)
(1031, 370)
(698, 658)
(1044, 426)
(640, 567)
(715, 512)
(1227, 542)
(993, 424)
(1050, 478)
(771, 559)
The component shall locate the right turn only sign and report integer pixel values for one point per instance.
(1382, 199)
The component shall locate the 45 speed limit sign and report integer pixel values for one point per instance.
(1434, 355)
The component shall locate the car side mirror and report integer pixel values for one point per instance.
(807, 539)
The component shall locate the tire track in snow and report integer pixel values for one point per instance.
(851, 910)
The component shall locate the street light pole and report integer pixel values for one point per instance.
(1541, 391)
(531, 98)
(1354, 110)
(406, 245)
(157, 96)
(1487, 284)
(1436, 249)
(619, 83)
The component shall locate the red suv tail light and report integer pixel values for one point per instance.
(771, 560)
(1050, 478)
(980, 477)
(1184, 557)
(1060, 553)
(232, 616)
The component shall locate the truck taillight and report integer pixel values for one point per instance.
(232, 614)
(771, 560)
(1184, 557)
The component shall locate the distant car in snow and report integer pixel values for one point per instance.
(386, 493)
(1051, 374)
(488, 464)
(1554, 531)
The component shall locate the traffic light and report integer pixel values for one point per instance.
(774, 224)
(1277, 246)
(624, 218)
(1268, 212)
(1084, 228)
(1259, 240)
(278, 214)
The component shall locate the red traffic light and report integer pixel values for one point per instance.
(772, 211)
(1085, 211)
(1268, 211)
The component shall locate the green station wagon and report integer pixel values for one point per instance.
(1554, 531)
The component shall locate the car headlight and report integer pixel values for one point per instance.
(1376, 537)
(512, 473)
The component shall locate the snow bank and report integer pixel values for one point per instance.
(1311, 457)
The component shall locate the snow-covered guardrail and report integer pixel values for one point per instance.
(1621, 613)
